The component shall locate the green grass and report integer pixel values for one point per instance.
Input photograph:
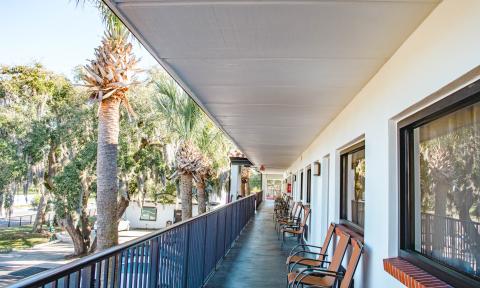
(20, 238)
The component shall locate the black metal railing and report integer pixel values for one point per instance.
(182, 255)
(451, 241)
(16, 221)
(358, 212)
(258, 198)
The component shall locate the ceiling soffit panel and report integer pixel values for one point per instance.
(272, 74)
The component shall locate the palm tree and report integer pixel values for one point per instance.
(245, 176)
(214, 147)
(203, 174)
(108, 77)
(188, 165)
(183, 118)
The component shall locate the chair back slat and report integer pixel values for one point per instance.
(326, 242)
(306, 214)
(337, 258)
(300, 208)
(294, 209)
(340, 250)
(357, 251)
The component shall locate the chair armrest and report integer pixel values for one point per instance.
(298, 262)
(308, 252)
(315, 272)
(292, 225)
(303, 245)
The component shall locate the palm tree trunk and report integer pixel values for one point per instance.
(202, 198)
(108, 130)
(186, 195)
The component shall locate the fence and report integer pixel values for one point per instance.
(182, 255)
(452, 243)
(17, 221)
(259, 198)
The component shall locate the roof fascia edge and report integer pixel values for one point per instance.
(113, 6)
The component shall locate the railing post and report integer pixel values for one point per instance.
(153, 263)
(204, 249)
(225, 234)
(185, 260)
(216, 241)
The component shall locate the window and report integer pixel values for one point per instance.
(440, 188)
(148, 214)
(301, 186)
(309, 185)
(273, 188)
(352, 186)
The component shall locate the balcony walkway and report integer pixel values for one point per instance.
(256, 260)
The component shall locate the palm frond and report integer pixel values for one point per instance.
(111, 21)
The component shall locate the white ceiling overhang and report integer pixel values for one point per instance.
(272, 74)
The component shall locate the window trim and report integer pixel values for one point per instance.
(359, 145)
(143, 219)
(301, 186)
(309, 185)
(460, 99)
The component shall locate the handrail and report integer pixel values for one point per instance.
(147, 242)
(259, 198)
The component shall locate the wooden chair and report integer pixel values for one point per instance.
(297, 277)
(290, 219)
(280, 214)
(316, 258)
(281, 206)
(316, 277)
(296, 229)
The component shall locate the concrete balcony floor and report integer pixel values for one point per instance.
(257, 259)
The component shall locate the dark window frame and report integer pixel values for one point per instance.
(301, 186)
(309, 185)
(343, 179)
(144, 219)
(454, 102)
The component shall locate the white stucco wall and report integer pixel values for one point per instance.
(164, 214)
(443, 49)
(235, 181)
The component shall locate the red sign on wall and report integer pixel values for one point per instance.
(289, 188)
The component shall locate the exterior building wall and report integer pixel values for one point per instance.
(235, 181)
(441, 56)
(164, 214)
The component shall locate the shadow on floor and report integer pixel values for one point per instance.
(256, 260)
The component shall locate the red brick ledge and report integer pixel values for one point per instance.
(410, 275)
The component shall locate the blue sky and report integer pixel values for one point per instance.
(56, 33)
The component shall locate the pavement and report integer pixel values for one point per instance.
(20, 264)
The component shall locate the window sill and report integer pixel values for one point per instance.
(350, 231)
(410, 275)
